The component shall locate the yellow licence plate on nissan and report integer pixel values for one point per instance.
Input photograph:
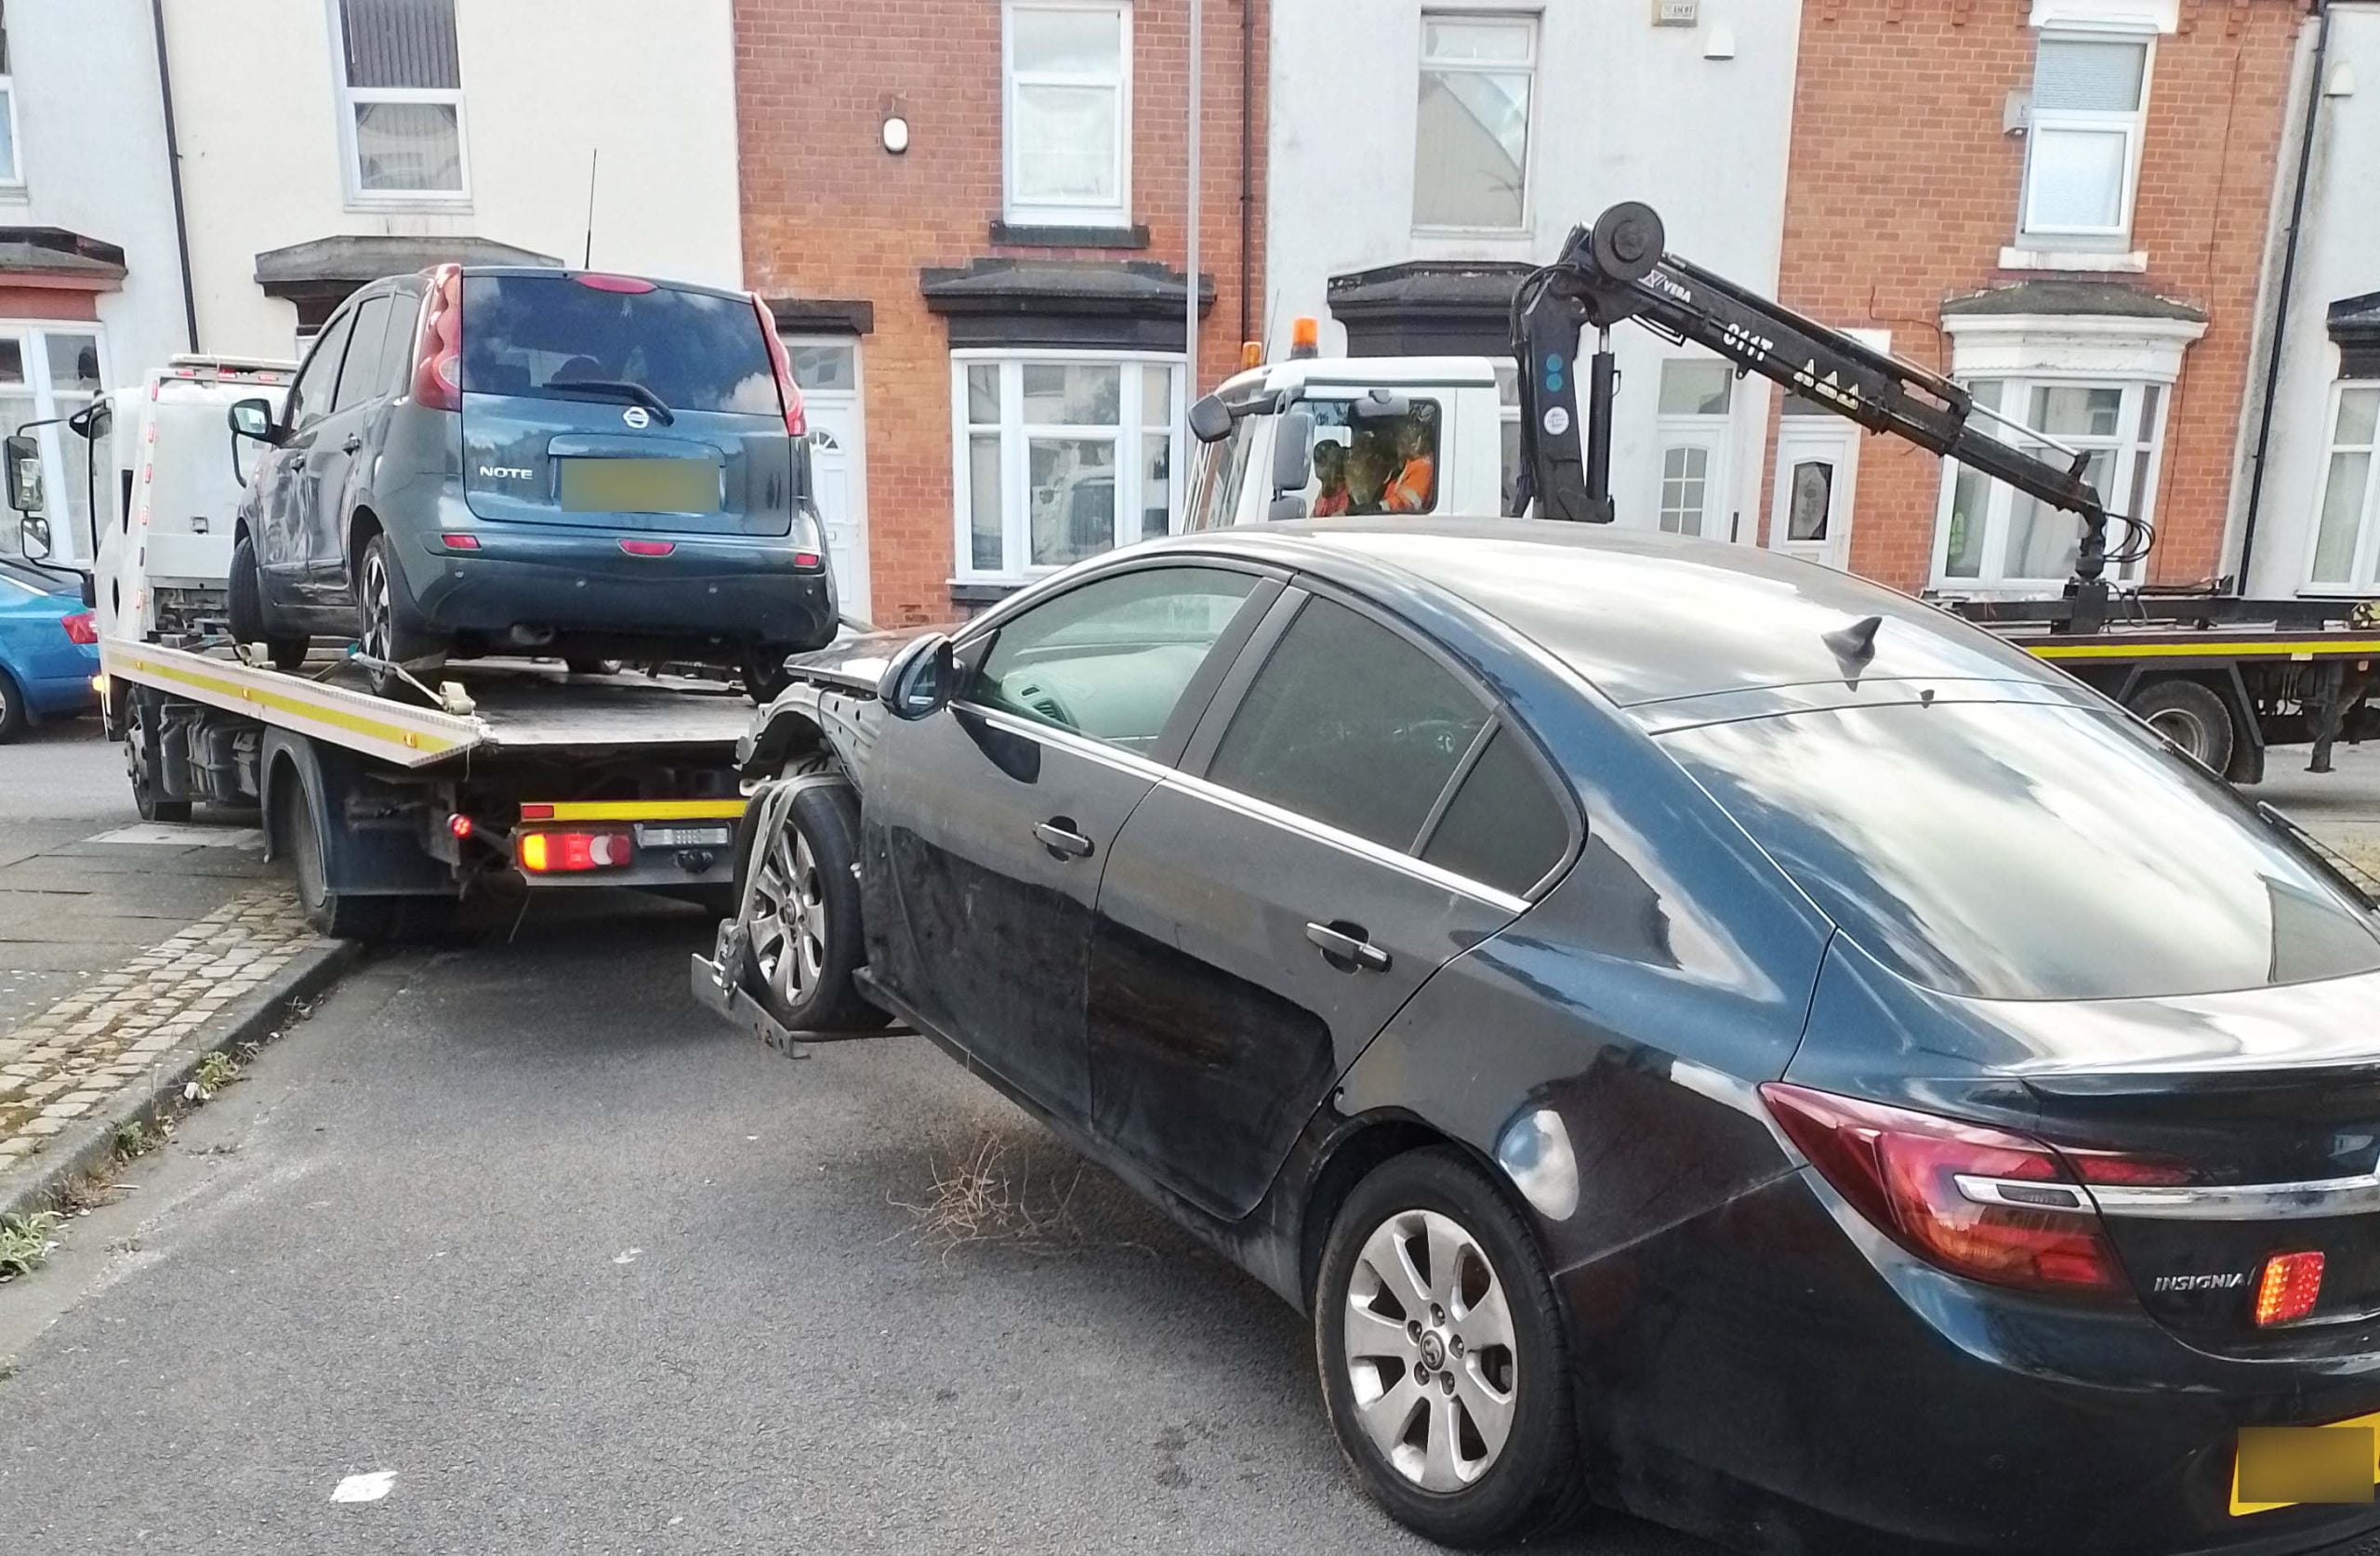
(640, 486)
(2281, 1467)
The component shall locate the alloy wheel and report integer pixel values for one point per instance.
(789, 918)
(379, 608)
(1430, 1350)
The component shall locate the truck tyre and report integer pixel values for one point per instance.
(250, 621)
(804, 925)
(2193, 716)
(142, 759)
(388, 623)
(340, 914)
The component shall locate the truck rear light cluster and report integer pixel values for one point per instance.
(1985, 1202)
(438, 349)
(556, 851)
(2290, 1286)
(81, 628)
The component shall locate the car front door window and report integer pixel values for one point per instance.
(311, 396)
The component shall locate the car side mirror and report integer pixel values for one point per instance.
(1293, 450)
(253, 419)
(1209, 419)
(919, 681)
(33, 538)
(24, 473)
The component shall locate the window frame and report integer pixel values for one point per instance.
(2133, 124)
(13, 181)
(31, 338)
(1531, 22)
(2000, 497)
(1026, 213)
(1230, 694)
(2363, 562)
(351, 151)
(1134, 422)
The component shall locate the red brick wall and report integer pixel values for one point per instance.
(1902, 189)
(828, 213)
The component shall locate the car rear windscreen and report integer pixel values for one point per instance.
(532, 335)
(2025, 851)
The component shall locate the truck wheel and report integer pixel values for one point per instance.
(250, 623)
(340, 914)
(805, 922)
(142, 757)
(2193, 716)
(388, 628)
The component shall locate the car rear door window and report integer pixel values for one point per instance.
(396, 348)
(310, 396)
(1111, 659)
(534, 336)
(1504, 827)
(1351, 724)
(359, 381)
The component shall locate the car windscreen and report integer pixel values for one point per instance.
(532, 335)
(2027, 851)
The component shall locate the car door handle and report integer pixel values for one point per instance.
(1348, 943)
(1059, 836)
(354, 441)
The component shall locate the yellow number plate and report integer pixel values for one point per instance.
(2281, 1467)
(640, 486)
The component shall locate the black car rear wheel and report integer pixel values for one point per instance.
(251, 620)
(1444, 1358)
(803, 923)
(764, 676)
(388, 628)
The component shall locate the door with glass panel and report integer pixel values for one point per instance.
(1810, 501)
(827, 371)
(1693, 433)
(2347, 538)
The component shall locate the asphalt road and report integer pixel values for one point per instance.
(590, 1272)
(62, 772)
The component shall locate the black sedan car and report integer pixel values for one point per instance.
(1700, 1034)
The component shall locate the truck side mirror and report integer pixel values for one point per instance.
(24, 473)
(1209, 419)
(1293, 452)
(33, 538)
(919, 681)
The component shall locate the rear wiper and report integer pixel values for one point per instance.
(617, 388)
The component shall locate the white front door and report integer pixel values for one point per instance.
(1809, 516)
(826, 370)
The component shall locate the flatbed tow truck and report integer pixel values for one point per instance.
(2224, 677)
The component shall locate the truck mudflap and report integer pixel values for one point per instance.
(719, 980)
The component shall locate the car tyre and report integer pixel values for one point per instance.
(764, 673)
(142, 757)
(1449, 1386)
(12, 709)
(2191, 715)
(251, 621)
(804, 924)
(387, 624)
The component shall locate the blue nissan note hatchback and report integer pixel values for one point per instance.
(484, 460)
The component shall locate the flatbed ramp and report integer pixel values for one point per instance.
(515, 706)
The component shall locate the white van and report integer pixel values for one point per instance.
(166, 520)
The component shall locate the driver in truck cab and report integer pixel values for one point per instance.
(1409, 490)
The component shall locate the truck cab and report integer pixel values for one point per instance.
(1325, 437)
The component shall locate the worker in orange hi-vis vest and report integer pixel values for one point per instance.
(1409, 493)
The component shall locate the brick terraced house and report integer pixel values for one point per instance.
(2063, 204)
(970, 217)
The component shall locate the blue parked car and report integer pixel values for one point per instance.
(49, 649)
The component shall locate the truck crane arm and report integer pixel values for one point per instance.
(1617, 270)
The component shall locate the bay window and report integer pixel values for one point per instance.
(2346, 539)
(48, 372)
(1059, 456)
(1068, 110)
(401, 100)
(1991, 537)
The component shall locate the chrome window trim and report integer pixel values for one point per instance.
(1071, 739)
(2246, 1202)
(2010, 1193)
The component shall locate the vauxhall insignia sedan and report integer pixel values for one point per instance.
(1699, 1034)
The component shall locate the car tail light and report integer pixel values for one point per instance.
(1980, 1202)
(2289, 1287)
(438, 348)
(807, 559)
(557, 852)
(612, 282)
(795, 421)
(454, 542)
(648, 548)
(81, 628)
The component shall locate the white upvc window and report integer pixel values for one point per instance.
(2346, 524)
(1692, 428)
(1067, 74)
(1470, 143)
(1059, 456)
(12, 176)
(2083, 135)
(402, 123)
(1991, 538)
(48, 370)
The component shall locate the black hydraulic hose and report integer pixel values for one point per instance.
(2281, 300)
(174, 172)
